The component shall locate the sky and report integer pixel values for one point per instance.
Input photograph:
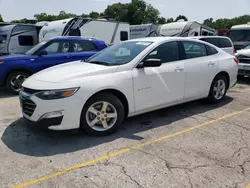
(195, 10)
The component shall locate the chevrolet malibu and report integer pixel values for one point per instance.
(124, 80)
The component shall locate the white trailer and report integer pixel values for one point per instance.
(185, 29)
(109, 31)
(141, 31)
(18, 38)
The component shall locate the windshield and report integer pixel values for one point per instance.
(119, 54)
(35, 48)
(248, 47)
(3, 39)
(240, 35)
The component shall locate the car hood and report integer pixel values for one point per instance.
(71, 71)
(245, 52)
(13, 57)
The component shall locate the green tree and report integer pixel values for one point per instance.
(118, 11)
(170, 20)
(162, 20)
(139, 12)
(1, 18)
(181, 17)
(94, 15)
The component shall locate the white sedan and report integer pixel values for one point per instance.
(124, 80)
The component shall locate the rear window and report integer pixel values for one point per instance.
(214, 41)
(225, 43)
(3, 39)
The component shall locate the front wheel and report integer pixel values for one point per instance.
(15, 80)
(102, 115)
(218, 89)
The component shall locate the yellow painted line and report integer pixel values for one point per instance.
(122, 151)
(248, 186)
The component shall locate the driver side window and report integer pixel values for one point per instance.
(57, 47)
(167, 52)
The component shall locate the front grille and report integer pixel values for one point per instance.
(28, 106)
(244, 59)
(245, 72)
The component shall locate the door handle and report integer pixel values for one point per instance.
(67, 57)
(178, 69)
(211, 64)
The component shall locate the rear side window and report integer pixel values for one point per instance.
(26, 40)
(211, 50)
(194, 49)
(82, 46)
(225, 43)
(214, 41)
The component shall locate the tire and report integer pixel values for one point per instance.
(212, 97)
(21, 75)
(115, 106)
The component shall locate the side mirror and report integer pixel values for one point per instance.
(43, 52)
(150, 63)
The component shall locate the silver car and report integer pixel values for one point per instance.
(244, 61)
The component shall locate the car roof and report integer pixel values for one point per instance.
(76, 38)
(160, 39)
(202, 37)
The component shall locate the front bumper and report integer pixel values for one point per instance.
(244, 69)
(59, 114)
(44, 123)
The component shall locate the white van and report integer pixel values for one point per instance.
(224, 43)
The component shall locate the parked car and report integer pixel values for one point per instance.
(244, 62)
(125, 80)
(14, 69)
(224, 43)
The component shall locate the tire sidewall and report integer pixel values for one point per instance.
(12, 75)
(211, 97)
(107, 98)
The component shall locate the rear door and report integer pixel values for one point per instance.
(82, 49)
(200, 69)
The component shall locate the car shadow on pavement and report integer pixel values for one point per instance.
(23, 139)
(5, 94)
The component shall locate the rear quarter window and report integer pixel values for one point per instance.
(211, 50)
(225, 43)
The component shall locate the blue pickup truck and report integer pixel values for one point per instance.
(14, 69)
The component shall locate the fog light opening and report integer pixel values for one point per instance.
(55, 114)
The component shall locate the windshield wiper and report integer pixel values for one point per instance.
(98, 62)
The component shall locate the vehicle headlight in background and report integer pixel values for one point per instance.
(57, 94)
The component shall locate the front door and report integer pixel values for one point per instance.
(57, 53)
(160, 86)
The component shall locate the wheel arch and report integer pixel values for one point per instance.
(16, 69)
(226, 75)
(120, 95)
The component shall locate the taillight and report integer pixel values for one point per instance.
(236, 60)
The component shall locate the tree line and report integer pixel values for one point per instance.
(137, 12)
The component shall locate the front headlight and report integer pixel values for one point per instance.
(57, 94)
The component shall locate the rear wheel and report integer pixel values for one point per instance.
(102, 115)
(15, 80)
(218, 89)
